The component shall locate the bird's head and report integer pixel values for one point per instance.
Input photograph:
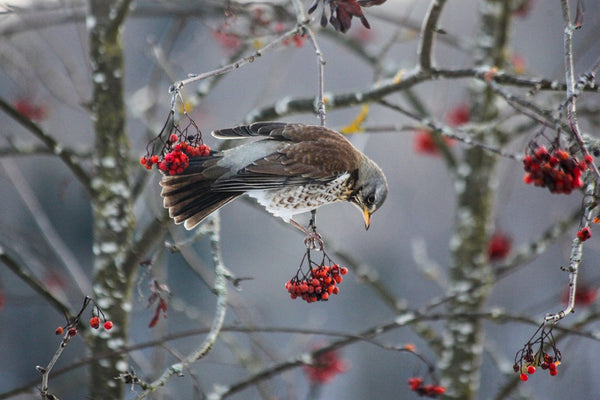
(371, 189)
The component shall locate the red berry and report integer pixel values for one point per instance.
(531, 370)
(524, 377)
(552, 366)
(588, 159)
(108, 325)
(144, 160)
(439, 390)
(415, 383)
(173, 138)
(553, 372)
(584, 234)
(59, 330)
(95, 322)
(343, 270)
(72, 332)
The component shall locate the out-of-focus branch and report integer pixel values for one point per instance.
(150, 236)
(24, 272)
(288, 105)
(428, 31)
(528, 252)
(67, 156)
(54, 239)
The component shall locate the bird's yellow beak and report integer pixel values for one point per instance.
(367, 217)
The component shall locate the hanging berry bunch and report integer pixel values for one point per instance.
(319, 282)
(171, 150)
(538, 352)
(98, 317)
(554, 168)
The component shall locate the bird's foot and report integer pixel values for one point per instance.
(313, 240)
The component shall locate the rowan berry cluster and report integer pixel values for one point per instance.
(527, 360)
(416, 385)
(555, 169)
(548, 364)
(95, 320)
(173, 156)
(318, 283)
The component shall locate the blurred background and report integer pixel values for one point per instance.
(46, 217)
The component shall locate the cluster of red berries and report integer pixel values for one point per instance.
(584, 234)
(416, 385)
(318, 285)
(71, 326)
(94, 323)
(549, 363)
(176, 157)
(556, 169)
(529, 361)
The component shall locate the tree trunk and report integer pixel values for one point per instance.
(471, 276)
(111, 197)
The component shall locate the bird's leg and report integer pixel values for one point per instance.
(313, 240)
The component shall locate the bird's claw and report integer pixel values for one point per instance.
(313, 241)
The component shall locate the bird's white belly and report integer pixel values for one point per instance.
(291, 200)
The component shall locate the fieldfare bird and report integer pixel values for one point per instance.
(290, 169)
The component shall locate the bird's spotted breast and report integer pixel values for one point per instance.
(291, 200)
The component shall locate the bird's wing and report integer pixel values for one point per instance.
(308, 154)
(252, 130)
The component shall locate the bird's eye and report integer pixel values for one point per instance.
(370, 199)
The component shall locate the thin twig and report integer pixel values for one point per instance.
(428, 31)
(66, 155)
(177, 86)
(24, 272)
(46, 370)
(220, 288)
(570, 79)
(54, 239)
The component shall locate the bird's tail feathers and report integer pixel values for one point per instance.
(190, 200)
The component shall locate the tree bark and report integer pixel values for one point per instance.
(471, 275)
(111, 196)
